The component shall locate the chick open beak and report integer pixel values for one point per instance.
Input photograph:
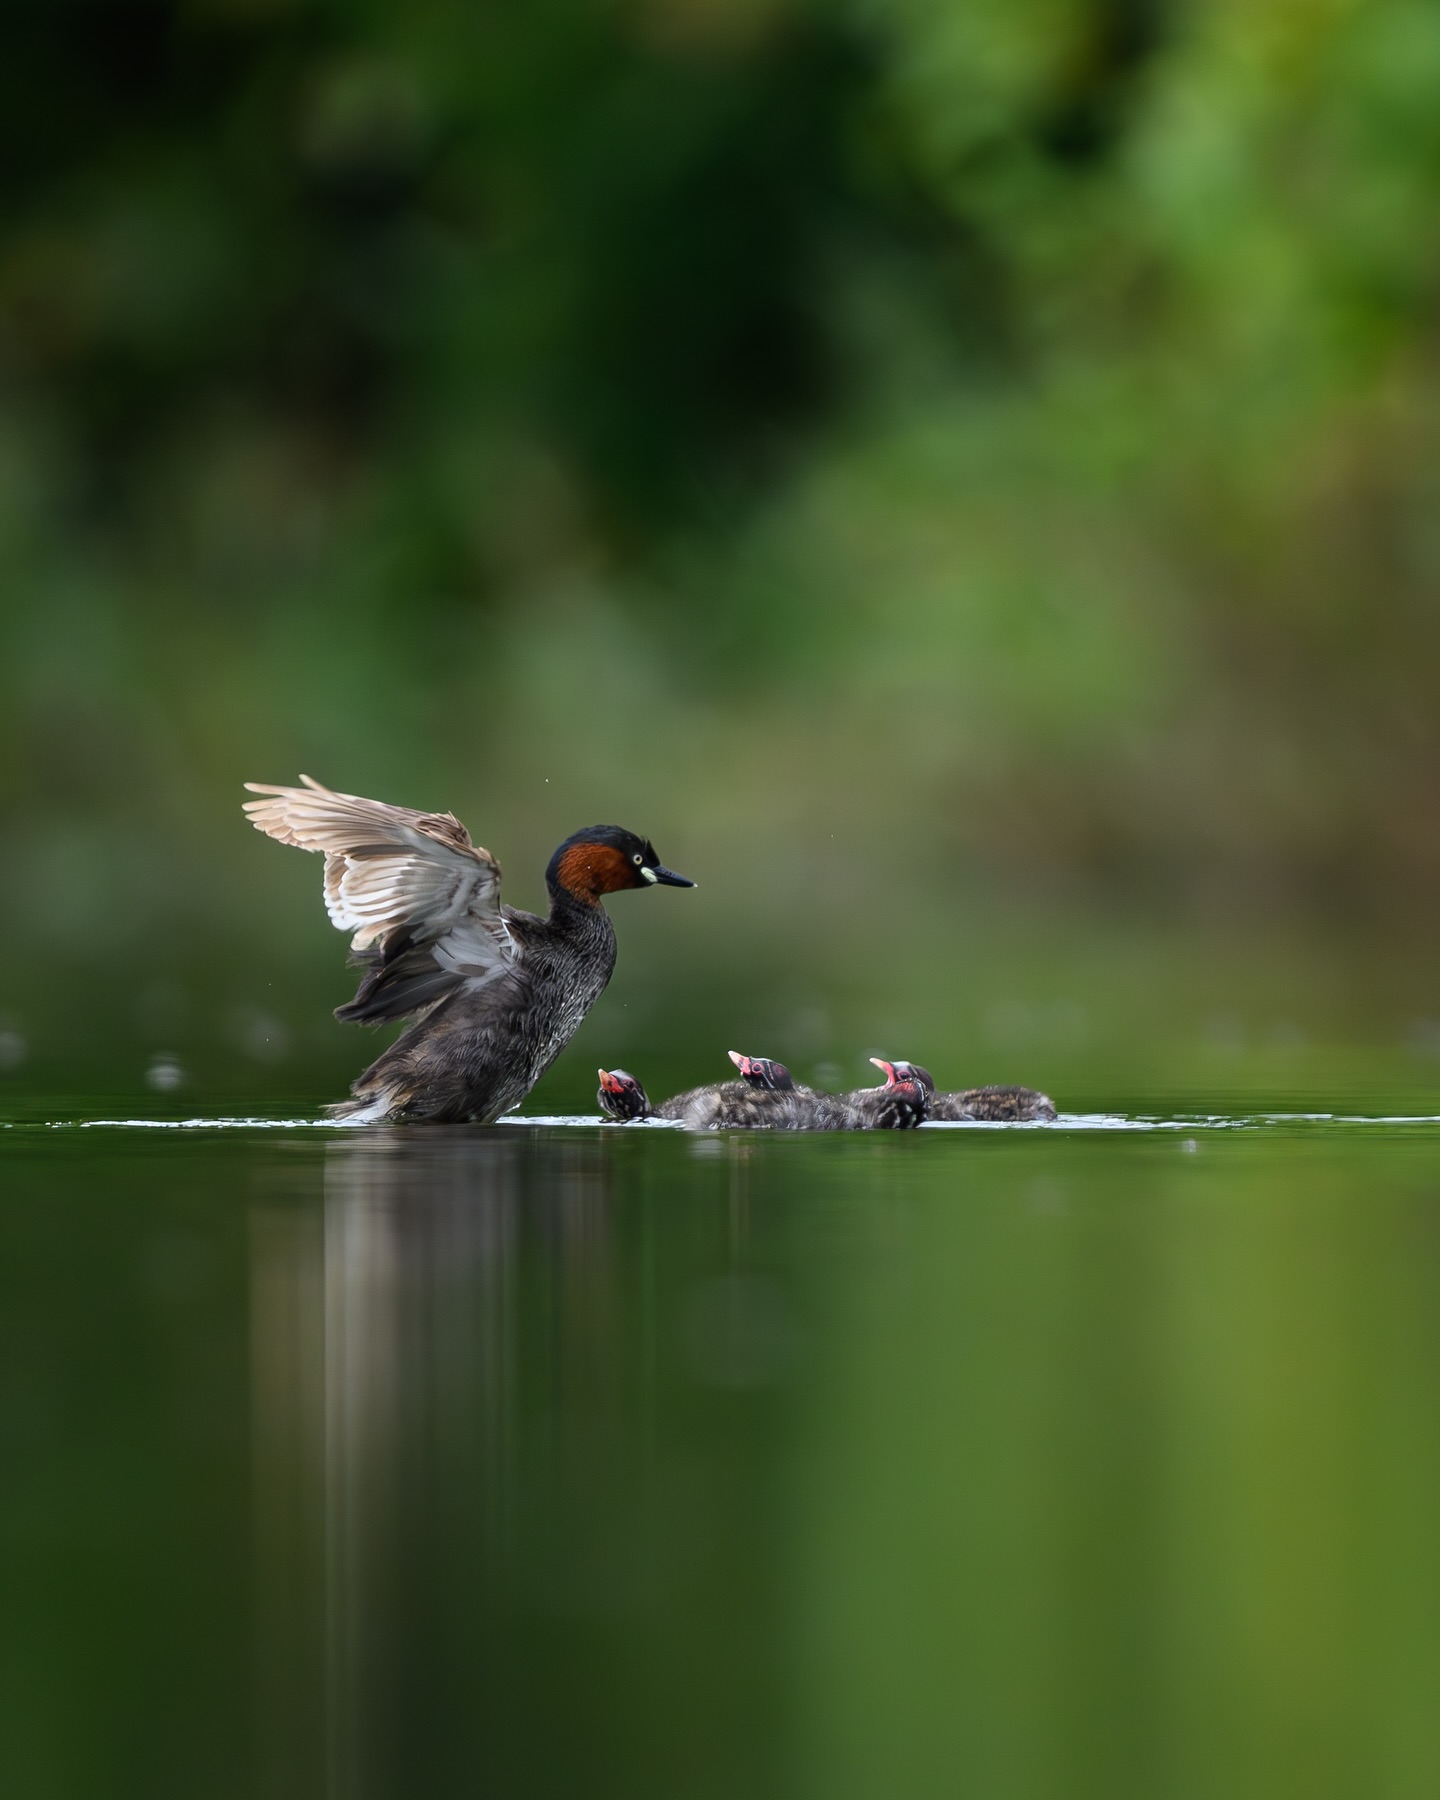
(889, 1068)
(611, 1084)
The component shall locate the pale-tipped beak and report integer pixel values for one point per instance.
(667, 877)
(739, 1061)
(889, 1068)
(610, 1084)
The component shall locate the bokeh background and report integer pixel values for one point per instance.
(962, 478)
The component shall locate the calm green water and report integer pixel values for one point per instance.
(1028, 1465)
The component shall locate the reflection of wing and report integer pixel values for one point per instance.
(422, 901)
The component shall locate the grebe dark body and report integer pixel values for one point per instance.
(495, 993)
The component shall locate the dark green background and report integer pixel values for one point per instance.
(962, 478)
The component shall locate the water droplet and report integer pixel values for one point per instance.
(259, 1035)
(164, 1074)
(1424, 1036)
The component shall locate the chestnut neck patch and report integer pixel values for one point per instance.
(586, 871)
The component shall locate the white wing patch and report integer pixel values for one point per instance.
(389, 868)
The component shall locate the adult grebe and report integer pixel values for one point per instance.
(495, 993)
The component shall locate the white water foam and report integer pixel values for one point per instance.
(1069, 1122)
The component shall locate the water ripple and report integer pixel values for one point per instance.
(1067, 1122)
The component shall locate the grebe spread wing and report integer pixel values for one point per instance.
(496, 993)
(422, 900)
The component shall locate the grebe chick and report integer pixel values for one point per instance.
(1018, 1105)
(495, 993)
(897, 1106)
(766, 1098)
(763, 1072)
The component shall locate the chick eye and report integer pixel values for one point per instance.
(637, 857)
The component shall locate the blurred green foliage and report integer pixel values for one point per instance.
(888, 450)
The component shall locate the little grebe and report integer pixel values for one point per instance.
(495, 993)
(898, 1105)
(1016, 1104)
(766, 1098)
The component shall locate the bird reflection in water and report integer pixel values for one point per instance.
(387, 1361)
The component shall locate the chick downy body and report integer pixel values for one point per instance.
(897, 1105)
(1017, 1104)
(1014, 1105)
(763, 1099)
(766, 1098)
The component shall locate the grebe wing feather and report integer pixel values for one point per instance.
(393, 870)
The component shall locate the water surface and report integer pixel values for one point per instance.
(1101, 1459)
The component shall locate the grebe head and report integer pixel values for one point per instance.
(761, 1072)
(621, 1095)
(602, 859)
(898, 1072)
